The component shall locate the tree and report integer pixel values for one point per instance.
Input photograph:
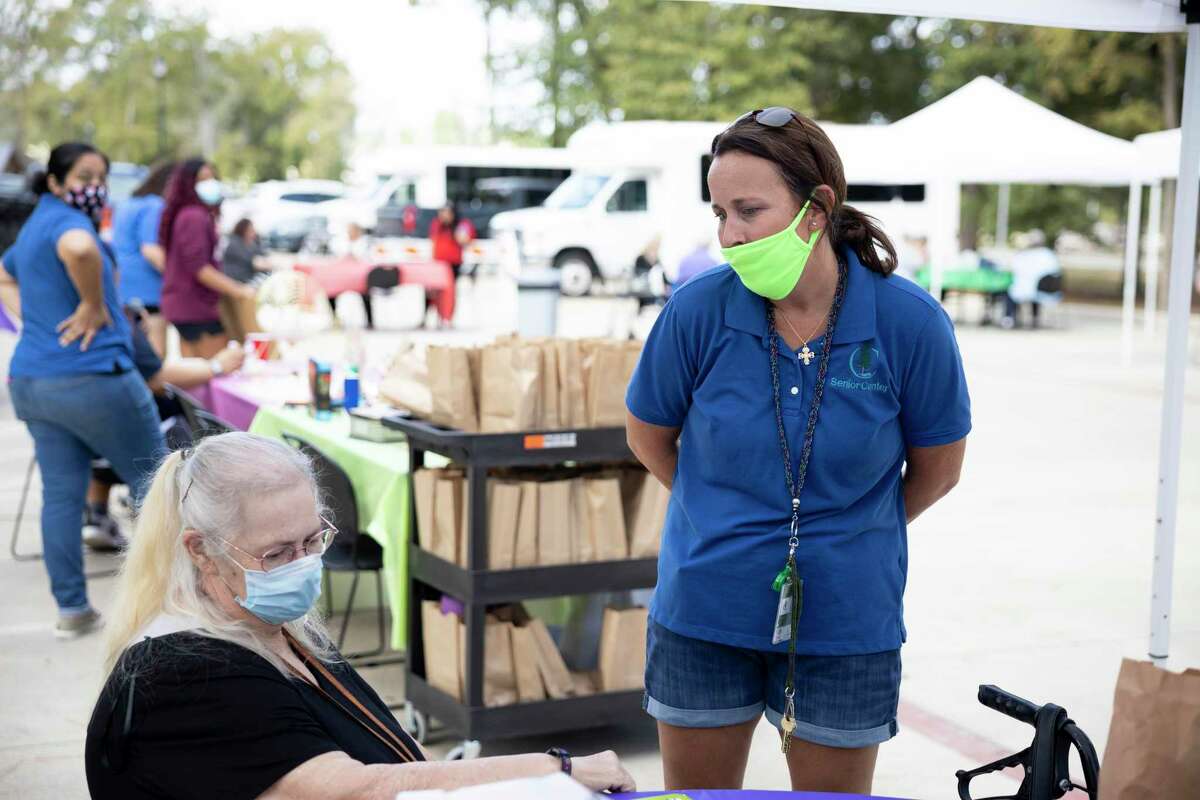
(260, 106)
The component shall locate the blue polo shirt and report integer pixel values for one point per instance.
(135, 223)
(48, 297)
(895, 381)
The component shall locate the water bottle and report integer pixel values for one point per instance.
(350, 389)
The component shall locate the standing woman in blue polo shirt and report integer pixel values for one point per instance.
(803, 405)
(140, 258)
(72, 375)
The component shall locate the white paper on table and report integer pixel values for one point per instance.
(552, 787)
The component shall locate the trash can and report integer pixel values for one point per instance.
(537, 302)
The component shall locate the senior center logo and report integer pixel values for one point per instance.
(863, 361)
(864, 364)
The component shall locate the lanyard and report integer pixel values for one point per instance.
(790, 573)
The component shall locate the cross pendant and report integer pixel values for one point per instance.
(806, 355)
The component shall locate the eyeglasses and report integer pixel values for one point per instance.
(280, 556)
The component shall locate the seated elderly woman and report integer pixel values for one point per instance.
(223, 681)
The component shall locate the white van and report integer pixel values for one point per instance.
(641, 186)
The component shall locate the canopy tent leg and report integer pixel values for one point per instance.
(1153, 257)
(945, 200)
(1002, 204)
(1133, 222)
(1179, 306)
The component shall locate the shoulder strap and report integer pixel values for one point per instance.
(388, 736)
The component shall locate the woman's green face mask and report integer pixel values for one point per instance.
(771, 267)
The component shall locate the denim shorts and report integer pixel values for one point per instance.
(841, 701)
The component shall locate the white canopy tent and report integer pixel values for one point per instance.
(1141, 16)
(984, 132)
(1158, 154)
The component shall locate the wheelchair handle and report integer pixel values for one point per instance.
(1009, 704)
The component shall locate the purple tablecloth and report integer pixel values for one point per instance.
(237, 398)
(6, 324)
(755, 795)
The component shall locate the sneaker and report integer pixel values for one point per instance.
(102, 534)
(73, 626)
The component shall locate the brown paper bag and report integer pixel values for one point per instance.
(1154, 739)
(623, 649)
(606, 518)
(572, 406)
(504, 510)
(464, 527)
(551, 417)
(452, 387)
(554, 523)
(608, 374)
(499, 675)
(406, 384)
(441, 639)
(645, 501)
(554, 672)
(424, 484)
(583, 542)
(530, 688)
(584, 684)
(510, 396)
(447, 516)
(526, 552)
(239, 316)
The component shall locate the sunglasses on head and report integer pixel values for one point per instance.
(773, 117)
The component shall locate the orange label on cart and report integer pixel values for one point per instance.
(550, 441)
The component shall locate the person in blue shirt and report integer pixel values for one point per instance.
(803, 405)
(72, 377)
(140, 258)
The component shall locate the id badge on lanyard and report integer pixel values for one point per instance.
(788, 582)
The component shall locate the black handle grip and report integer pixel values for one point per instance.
(1016, 707)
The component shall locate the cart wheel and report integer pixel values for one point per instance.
(468, 750)
(415, 723)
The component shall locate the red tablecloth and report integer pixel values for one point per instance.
(350, 275)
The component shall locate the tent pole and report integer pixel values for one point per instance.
(1152, 256)
(1002, 203)
(1179, 303)
(1133, 221)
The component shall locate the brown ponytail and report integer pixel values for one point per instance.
(806, 159)
(862, 234)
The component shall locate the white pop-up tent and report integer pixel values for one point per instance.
(1158, 155)
(984, 132)
(1138, 16)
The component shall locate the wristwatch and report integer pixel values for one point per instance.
(563, 756)
(215, 366)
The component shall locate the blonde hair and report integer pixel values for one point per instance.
(217, 478)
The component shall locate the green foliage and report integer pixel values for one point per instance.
(640, 59)
(260, 106)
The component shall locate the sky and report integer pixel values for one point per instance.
(409, 61)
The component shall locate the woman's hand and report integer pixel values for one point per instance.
(86, 322)
(230, 359)
(602, 772)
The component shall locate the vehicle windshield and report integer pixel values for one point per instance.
(576, 191)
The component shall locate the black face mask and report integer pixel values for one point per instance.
(89, 199)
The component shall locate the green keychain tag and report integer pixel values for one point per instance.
(781, 578)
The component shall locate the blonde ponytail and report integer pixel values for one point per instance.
(144, 580)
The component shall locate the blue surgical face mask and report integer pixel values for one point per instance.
(285, 593)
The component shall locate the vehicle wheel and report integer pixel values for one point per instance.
(575, 274)
(415, 723)
(468, 750)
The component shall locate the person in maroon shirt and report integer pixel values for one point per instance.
(192, 281)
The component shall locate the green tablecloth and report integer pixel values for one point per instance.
(969, 279)
(379, 473)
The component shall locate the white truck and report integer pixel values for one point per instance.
(639, 187)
